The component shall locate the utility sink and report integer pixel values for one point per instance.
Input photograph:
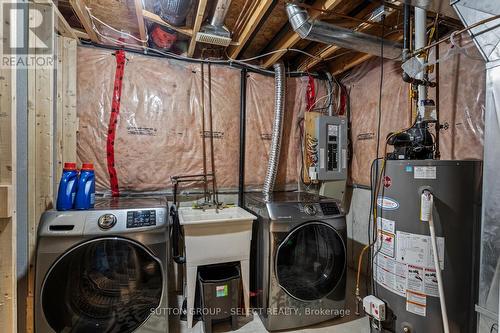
(213, 237)
(189, 215)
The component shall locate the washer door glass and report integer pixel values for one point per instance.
(310, 261)
(104, 285)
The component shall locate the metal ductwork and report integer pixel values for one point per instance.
(174, 11)
(328, 33)
(215, 32)
(486, 36)
(279, 110)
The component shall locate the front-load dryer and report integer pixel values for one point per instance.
(104, 269)
(298, 263)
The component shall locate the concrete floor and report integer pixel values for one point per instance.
(252, 324)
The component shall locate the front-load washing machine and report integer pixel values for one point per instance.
(298, 266)
(103, 269)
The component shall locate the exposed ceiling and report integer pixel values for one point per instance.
(258, 27)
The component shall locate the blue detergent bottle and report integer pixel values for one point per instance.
(85, 196)
(67, 187)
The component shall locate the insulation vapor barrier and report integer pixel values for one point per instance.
(159, 129)
(462, 100)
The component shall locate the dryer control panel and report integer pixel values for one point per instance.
(141, 218)
(321, 209)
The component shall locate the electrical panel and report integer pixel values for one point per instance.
(331, 136)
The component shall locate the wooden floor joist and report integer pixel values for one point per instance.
(85, 20)
(81, 34)
(140, 21)
(249, 28)
(291, 38)
(197, 25)
(61, 25)
(347, 62)
(152, 17)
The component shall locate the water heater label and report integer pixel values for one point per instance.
(387, 203)
(416, 303)
(416, 249)
(415, 279)
(425, 172)
(390, 274)
(430, 282)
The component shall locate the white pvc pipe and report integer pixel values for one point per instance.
(439, 277)
(421, 41)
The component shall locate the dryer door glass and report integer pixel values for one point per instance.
(104, 285)
(310, 261)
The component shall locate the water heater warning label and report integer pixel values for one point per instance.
(411, 269)
(391, 274)
(415, 249)
(425, 172)
(416, 303)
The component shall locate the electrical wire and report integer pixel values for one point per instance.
(179, 57)
(320, 99)
(273, 52)
(115, 30)
(373, 204)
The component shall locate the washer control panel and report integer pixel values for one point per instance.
(309, 209)
(329, 208)
(141, 218)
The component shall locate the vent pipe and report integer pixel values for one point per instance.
(279, 109)
(215, 32)
(175, 11)
(328, 33)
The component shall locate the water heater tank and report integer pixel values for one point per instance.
(403, 266)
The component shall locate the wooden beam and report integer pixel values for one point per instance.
(5, 201)
(291, 38)
(140, 21)
(62, 26)
(40, 164)
(67, 121)
(249, 28)
(157, 19)
(341, 66)
(8, 243)
(81, 34)
(197, 25)
(85, 20)
(349, 61)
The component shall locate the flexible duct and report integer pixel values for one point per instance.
(329, 91)
(174, 11)
(328, 33)
(279, 109)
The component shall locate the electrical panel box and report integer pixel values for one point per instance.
(331, 133)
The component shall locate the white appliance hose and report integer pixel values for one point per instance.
(426, 215)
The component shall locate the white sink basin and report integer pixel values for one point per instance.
(189, 215)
